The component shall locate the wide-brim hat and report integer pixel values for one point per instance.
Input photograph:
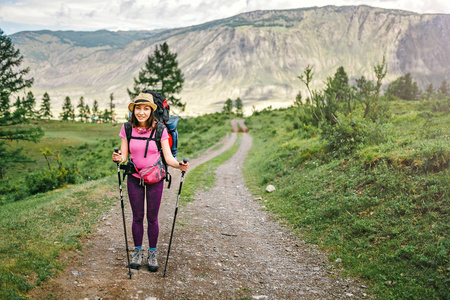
(143, 98)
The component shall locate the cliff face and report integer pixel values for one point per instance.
(256, 56)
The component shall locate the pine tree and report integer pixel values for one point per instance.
(444, 89)
(12, 77)
(95, 111)
(29, 105)
(68, 112)
(81, 109)
(404, 88)
(228, 106)
(45, 112)
(111, 107)
(161, 74)
(87, 110)
(106, 116)
(12, 80)
(239, 107)
(18, 104)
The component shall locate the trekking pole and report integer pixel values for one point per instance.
(123, 214)
(185, 160)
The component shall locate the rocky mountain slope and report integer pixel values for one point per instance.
(256, 56)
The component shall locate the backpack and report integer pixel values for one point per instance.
(162, 113)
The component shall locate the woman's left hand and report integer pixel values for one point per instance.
(184, 166)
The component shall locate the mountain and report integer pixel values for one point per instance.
(256, 56)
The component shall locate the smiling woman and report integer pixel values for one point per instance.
(148, 146)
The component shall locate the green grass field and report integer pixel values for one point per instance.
(382, 211)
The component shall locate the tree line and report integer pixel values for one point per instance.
(26, 107)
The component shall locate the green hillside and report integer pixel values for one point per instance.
(381, 210)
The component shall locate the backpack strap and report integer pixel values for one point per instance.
(128, 130)
(159, 131)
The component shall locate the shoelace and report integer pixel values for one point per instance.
(136, 255)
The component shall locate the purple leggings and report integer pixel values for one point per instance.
(137, 194)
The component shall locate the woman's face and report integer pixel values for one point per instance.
(142, 113)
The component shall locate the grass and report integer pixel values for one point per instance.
(59, 135)
(383, 209)
(35, 230)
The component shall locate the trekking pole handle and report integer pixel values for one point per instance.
(116, 149)
(185, 160)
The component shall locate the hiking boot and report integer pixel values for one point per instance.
(152, 263)
(136, 260)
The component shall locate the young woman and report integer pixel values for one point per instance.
(143, 123)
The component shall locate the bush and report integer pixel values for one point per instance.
(42, 181)
(345, 137)
(12, 192)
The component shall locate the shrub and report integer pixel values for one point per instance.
(42, 181)
(345, 137)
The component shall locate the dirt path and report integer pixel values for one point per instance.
(225, 247)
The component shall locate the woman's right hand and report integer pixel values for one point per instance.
(117, 156)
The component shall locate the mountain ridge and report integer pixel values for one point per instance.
(256, 56)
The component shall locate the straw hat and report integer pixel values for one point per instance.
(143, 98)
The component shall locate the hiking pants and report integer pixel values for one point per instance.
(137, 195)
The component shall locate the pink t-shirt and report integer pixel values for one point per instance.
(137, 148)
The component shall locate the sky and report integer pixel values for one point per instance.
(91, 15)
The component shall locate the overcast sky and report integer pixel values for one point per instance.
(90, 15)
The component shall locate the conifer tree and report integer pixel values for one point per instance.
(404, 88)
(95, 111)
(81, 109)
(12, 76)
(68, 112)
(106, 116)
(161, 74)
(239, 107)
(111, 107)
(87, 110)
(12, 80)
(45, 111)
(29, 104)
(228, 106)
(18, 104)
(444, 89)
